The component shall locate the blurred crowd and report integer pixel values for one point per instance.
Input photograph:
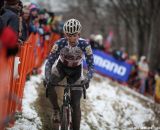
(141, 78)
(18, 20)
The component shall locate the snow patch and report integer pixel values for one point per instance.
(29, 119)
(114, 109)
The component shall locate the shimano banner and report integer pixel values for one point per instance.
(109, 66)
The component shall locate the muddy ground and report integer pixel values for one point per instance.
(44, 110)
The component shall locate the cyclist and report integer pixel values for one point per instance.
(66, 55)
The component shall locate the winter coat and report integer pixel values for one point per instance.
(11, 18)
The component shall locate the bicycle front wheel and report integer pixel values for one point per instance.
(66, 118)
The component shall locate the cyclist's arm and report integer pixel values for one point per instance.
(53, 56)
(89, 60)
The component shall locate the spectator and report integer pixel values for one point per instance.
(132, 60)
(124, 55)
(33, 12)
(157, 89)
(43, 24)
(56, 28)
(12, 17)
(26, 13)
(1, 4)
(26, 18)
(143, 68)
(93, 43)
(51, 18)
(99, 39)
(42, 19)
(119, 55)
(8, 40)
(133, 80)
(34, 25)
(150, 83)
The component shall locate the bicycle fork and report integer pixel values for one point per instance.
(66, 118)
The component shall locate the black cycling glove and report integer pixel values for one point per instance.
(85, 82)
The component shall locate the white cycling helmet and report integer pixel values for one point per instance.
(72, 26)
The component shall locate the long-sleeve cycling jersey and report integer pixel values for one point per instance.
(70, 56)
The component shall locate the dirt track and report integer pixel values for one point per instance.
(44, 108)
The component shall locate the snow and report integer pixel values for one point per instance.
(29, 119)
(113, 108)
(106, 107)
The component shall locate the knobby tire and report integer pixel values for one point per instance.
(64, 119)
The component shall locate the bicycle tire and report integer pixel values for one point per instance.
(64, 118)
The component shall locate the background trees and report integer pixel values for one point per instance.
(135, 24)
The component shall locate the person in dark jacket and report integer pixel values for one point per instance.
(12, 17)
(8, 40)
(1, 4)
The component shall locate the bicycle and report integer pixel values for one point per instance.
(66, 109)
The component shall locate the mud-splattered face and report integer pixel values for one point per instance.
(72, 38)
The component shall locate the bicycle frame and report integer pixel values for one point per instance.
(66, 109)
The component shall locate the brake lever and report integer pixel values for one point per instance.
(84, 92)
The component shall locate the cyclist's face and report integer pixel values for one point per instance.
(72, 38)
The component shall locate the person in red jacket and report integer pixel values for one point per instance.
(8, 40)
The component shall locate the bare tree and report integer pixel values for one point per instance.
(141, 18)
(134, 22)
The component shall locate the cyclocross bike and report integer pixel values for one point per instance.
(66, 109)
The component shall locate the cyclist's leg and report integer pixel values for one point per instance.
(56, 77)
(75, 103)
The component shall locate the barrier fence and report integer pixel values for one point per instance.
(13, 73)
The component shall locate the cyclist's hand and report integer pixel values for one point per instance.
(85, 82)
